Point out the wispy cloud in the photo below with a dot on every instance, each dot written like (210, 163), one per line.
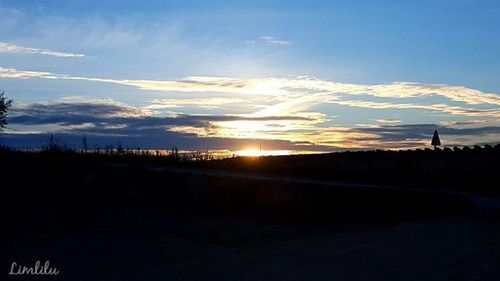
(189, 84)
(469, 123)
(388, 121)
(11, 48)
(300, 93)
(283, 86)
(274, 41)
(445, 108)
(199, 102)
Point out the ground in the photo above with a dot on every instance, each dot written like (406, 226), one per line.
(164, 247)
(108, 218)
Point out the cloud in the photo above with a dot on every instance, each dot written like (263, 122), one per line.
(292, 105)
(14, 49)
(388, 121)
(109, 113)
(78, 110)
(108, 122)
(199, 102)
(454, 110)
(292, 97)
(287, 87)
(469, 123)
(23, 74)
(449, 135)
(160, 44)
(79, 107)
(189, 84)
(274, 41)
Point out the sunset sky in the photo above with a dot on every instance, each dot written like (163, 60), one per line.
(232, 75)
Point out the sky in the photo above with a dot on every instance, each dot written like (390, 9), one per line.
(293, 76)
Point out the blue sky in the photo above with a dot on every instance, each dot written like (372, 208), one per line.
(296, 75)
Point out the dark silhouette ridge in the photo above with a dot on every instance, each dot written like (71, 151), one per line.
(471, 169)
(117, 211)
(466, 169)
(69, 179)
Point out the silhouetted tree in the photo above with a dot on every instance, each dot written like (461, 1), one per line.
(175, 153)
(435, 140)
(85, 146)
(5, 104)
(54, 144)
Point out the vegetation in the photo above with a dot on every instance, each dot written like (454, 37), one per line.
(470, 169)
(89, 184)
(5, 105)
(73, 206)
(466, 169)
(94, 180)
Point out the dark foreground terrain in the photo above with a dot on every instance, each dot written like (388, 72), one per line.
(115, 217)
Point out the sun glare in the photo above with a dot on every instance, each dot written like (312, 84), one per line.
(257, 152)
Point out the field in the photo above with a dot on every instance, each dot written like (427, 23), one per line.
(125, 217)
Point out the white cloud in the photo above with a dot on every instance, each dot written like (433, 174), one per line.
(440, 107)
(23, 74)
(469, 123)
(297, 94)
(274, 41)
(199, 102)
(388, 121)
(10, 48)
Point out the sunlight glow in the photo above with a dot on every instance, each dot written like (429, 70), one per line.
(257, 152)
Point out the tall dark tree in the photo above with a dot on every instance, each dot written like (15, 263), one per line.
(85, 146)
(435, 140)
(5, 104)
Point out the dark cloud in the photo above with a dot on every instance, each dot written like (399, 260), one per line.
(74, 108)
(156, 139)
(111, 124)
(425, 131)
(80, 113)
